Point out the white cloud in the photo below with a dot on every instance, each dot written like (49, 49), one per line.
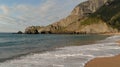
(49, 4)
(5, 9)
(23, 15)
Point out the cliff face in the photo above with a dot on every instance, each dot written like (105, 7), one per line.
(95, 27)
(88, 7)
(80, 11)
(32, 30)
(110, 13)
(72, 23)
(95, 4)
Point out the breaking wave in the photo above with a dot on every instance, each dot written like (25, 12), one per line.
(74, 56)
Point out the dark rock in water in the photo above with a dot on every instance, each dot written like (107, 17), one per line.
(45, 32)
(19, 32)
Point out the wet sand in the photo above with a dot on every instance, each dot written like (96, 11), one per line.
(105, 62)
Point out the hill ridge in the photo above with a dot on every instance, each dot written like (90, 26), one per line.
(83, 19)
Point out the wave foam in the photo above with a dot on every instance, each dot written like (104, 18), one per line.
(75, 56)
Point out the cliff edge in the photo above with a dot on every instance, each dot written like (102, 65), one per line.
(80, 20)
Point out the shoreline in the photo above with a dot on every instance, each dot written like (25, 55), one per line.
(72, 55)
(105, 61)
(110, 33)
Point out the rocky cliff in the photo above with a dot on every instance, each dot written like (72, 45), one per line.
(77, 20)
(32, 30)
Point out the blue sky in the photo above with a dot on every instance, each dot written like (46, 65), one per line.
(16, 15)
(13, 2)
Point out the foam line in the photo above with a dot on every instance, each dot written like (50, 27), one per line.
(74, 56)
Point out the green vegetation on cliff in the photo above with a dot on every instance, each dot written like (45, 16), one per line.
(109, 13)
(92, 16)
(90, 20)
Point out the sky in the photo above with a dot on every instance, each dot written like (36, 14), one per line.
(16, 15)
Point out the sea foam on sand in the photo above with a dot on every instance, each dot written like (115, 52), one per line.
(74, 56)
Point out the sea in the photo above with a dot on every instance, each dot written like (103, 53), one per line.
(55, 50)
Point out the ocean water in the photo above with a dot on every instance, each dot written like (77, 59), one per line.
(21, 50)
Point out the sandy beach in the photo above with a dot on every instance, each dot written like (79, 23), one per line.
(105, 62)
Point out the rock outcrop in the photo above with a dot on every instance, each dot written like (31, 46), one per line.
(19, 32)
(32, 30)
(73, 23)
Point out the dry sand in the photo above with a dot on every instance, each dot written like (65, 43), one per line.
(105, 62)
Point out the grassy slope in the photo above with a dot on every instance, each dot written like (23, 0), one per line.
(108, 13)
